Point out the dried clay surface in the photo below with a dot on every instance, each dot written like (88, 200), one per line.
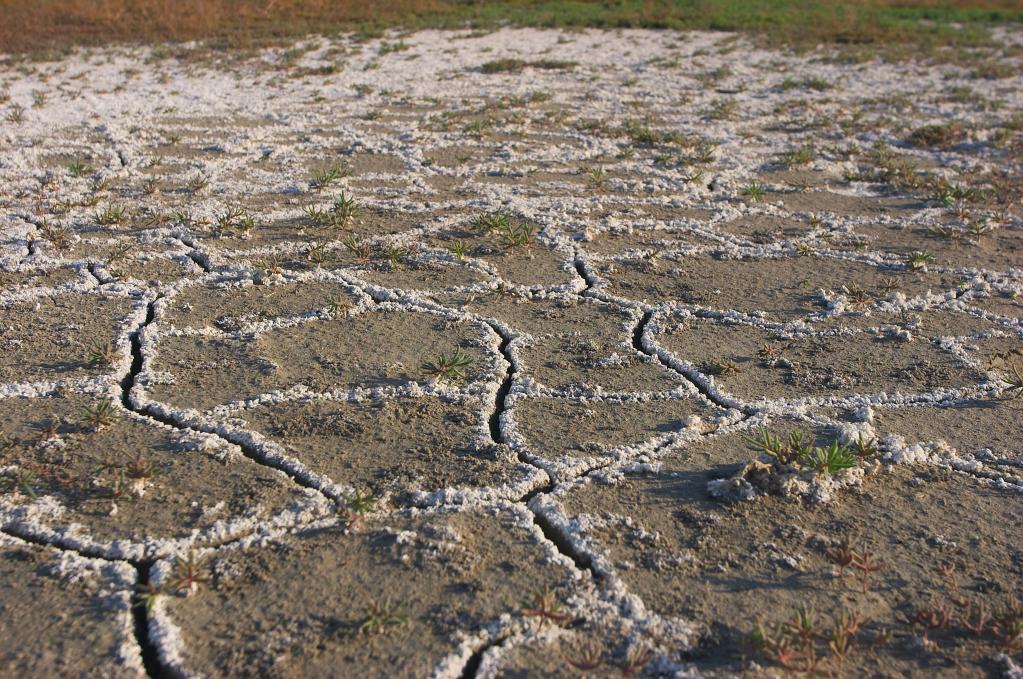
(510, 354)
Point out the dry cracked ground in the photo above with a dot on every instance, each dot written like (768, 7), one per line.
(524, 353)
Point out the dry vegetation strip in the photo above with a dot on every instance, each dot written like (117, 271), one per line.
(43, 25)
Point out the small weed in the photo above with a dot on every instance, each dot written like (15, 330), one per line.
(831, 459)
(339, 305)
(102, 354)
(754, 191)
(799, 157)
(145, 596)
(325, 178)
(545, 606)
(724, 368)
(381, 615)
(459, 249)
(1012, 383)
(111, 215)
(492, 221)
(941, 136)
(516, 235)
(359, 249)
(597, 178)
(917, 261)
(100, 414)
(866, 563)
(344, 210)
(450, 366)
(16, 113)
(78, 168)
(197, 183)
(188, 574)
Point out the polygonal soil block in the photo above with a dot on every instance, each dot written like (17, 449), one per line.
(51, 337)
(373, 349)
(63, 615)
(835, 366)
(132, 486)
(404, 447)
(724, 567)
(395, 597)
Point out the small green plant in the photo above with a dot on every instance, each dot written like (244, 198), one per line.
(344, 210)
(100, 414)
(449, 366)
(188, 574)
(112, 214)
(799, 157)
(150, 185)
(459, 249)
(145, 596)
(1012, 383)
(754, 191)
(16, 113)
(492, 221)
(381, 615)
(325, 178)
(359, 249)
(339, 305)
(516, 235)
(197, 183)
(941, 136)
(102, 354)
(831, 459)
(395, 254)
(78, 168)
(724, 368)
(597, 178)
(793, 450)
(918, 260)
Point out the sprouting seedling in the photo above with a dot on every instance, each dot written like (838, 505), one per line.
(805, 250)
(798, 157)
(139, 467)
(516, 235)
(360, 250)
(272, 264)
(545, 606)
(918, 260)
(792, 450)
(383, 614)
(459, 249)
(864, 447)
(724, 368)
(1013, 382)
(112, 214)
(78, 168)
(754, 191)
(449, 366)
(16, 113)
(150, 185)
(189, 573)
(325, 178)
(831, 459)
(394, 254)
(360, 504)
(588, 657)
(866, 563)
(842, 555)
(145, 596)
(490, 222)
(318, 254)
(197, 183)
(339, 305)
(100, 414)
(859, 298)
(597, 177)
(634, 661)
(102, 354)
(344, 210)
(25, 480)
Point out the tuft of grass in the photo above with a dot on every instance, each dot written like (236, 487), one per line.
(100, 414)
(383, 614)
(79, 168)
(112, 214)
(489, 222)
(940, 136)
(102, 354)
(328, 176)
(831, 459)
(754, 191)
(449, 366)
(516, 65)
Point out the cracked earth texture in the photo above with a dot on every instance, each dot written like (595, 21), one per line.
(495, 420)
